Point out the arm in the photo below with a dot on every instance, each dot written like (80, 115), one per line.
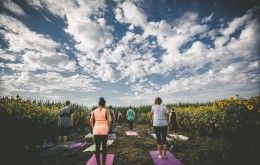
(92, 120)
(170, 117)
(72, 119)
(109, 120)
(59, 122)
(177, 121)
(167, 117)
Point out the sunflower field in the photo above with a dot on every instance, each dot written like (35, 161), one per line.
(35, 120)
(38, 119)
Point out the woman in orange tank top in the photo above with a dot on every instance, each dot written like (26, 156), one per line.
(100, 123)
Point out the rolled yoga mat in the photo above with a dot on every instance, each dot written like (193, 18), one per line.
(93, 147)
(171, 160)
(131, 133)
(109, 159)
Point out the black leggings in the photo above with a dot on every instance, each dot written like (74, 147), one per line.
(101, 139)
(161, 133)
(130, 124)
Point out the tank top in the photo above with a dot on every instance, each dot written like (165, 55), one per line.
(130, 114)
(100, 126)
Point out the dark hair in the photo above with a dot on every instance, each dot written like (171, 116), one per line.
(130, 106)
(102, 102)
(67, 102)
(158, 100)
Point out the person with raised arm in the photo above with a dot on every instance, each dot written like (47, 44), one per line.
(65, 122)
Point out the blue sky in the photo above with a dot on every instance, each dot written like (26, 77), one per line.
(129, 51)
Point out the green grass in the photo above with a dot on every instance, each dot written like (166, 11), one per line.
(135, 150)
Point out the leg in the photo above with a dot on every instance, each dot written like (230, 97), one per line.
(65, 138)
(159, 140)
(132, 125)
(104, 147)
(164, 133)
(129, 124)
(59, 140)
(97, 152)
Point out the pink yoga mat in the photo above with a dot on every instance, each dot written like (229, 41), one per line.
(131, 133)
(109, 159)
(171, 160)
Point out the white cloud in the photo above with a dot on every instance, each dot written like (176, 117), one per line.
(208, 18)
(90, 34)
(13, 7)
(34, 51)
(134, 58)
(45, 83)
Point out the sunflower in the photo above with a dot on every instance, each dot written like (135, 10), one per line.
(250, 107)
(232, 98)
(245, 102)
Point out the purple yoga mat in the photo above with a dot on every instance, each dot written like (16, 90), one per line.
(171, 160)
(109, 159)
(131, 133)
(77, 145)
(112, 136)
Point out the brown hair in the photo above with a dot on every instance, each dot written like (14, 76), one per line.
(102, 102)
(158, 100)
(67, 102)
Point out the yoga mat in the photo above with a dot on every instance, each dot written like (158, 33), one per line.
(49, 152)
(177, 136)
(93, 146)
(154, 136)
(54, 150)
(89, 135)
(131, 133)
(109, 159)
(112, 136)
(171, 160)
(77, 145)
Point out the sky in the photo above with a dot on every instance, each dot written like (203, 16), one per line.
(129, 52)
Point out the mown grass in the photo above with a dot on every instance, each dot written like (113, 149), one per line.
(135, 150)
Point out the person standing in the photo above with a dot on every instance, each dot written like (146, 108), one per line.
(100, 121)
(119, 118)
(160, 124)
(130, 115)
(65, 122)
(112, 114)
(174, 121)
